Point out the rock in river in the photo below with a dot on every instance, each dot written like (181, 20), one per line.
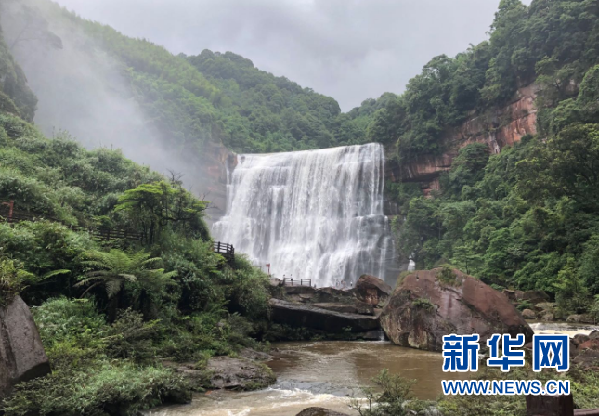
(22, 355)
(308, 316)
(226, 373)
(431, 303)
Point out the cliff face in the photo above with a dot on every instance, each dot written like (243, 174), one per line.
(217, 161)
(496, 128)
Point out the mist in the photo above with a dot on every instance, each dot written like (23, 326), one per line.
(83, 93)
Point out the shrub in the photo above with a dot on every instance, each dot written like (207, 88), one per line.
(388, 399)
(72, 331)
(12, 280)
(424, 303)
(109, 388)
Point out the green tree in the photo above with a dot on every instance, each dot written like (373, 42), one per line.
(112, 270)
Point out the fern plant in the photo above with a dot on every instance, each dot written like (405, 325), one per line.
(111, 270)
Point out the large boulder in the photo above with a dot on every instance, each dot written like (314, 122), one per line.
(22, 355)
(312, 317)
(372, 290)
(432, 303)
(239, 374)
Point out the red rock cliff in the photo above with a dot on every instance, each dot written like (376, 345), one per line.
(496, 128)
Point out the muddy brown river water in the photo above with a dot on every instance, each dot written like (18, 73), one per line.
(329, 374)
(322, 374)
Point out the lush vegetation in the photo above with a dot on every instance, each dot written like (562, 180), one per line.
(112, 312)
(526, 218)
(553, 42)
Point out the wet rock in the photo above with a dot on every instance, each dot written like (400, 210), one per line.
(319, 411)
(309, 316)
(529, 314)
(238, 374)
(372, 291)
(355, 308)
(547, 317)
(586, 358)
(22, 354)
(590, 344)
(331, 295)
(227, 373)
(307, 294)
(585, 319)
(580, 339)
(432, 303)
(594, 335)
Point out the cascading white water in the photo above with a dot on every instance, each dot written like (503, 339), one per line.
(315, 214)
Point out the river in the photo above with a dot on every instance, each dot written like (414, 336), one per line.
(328, 374)
(321, 374)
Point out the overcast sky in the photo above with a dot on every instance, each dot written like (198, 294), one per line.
(347, 49)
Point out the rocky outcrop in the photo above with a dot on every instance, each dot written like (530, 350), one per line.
(431, 303)
(319, 411)
(239, 374)
(216, 161)
(372, 290)
(246, 372)
(529, 314)
(22, 354)
(315, 318)
(585, 319)
(307, 294)
(355, 308)
(496, 128)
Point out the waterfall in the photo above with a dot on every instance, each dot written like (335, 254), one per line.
(315, 214)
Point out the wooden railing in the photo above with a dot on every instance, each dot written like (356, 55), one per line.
(226, 250)
(297, 282)
(13, 216)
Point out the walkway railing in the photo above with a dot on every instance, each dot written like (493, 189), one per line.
(297, 282)
(101, 233)
(226, 250)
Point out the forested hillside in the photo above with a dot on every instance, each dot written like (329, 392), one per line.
(211, 97)
(551, 42)
(110, 310)
(526, 218)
